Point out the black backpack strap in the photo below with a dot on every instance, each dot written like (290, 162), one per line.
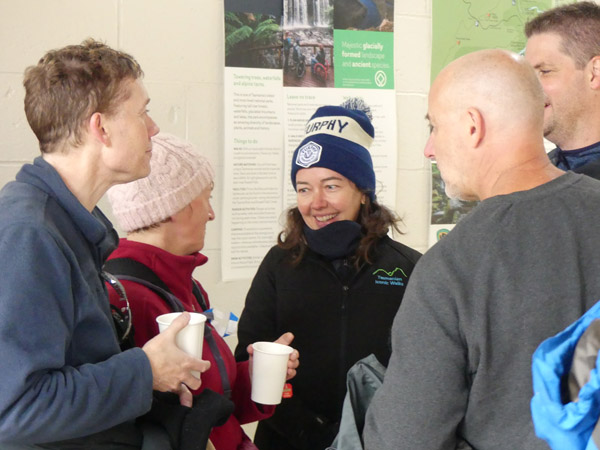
(198, 294)
(131, 267)
(132, 270)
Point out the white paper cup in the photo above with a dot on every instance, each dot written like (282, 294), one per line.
(269, 368)
(190, 338)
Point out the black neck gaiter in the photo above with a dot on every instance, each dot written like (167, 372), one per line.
(336, 240)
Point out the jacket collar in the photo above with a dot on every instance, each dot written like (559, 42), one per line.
(95, 226)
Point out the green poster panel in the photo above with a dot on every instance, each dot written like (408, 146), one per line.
(363, 59)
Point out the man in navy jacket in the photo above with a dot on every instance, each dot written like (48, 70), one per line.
(563, 47)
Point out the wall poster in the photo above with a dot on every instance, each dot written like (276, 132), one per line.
(284, 59)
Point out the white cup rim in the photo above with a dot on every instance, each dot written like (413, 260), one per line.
(272, 348)
(166, 319)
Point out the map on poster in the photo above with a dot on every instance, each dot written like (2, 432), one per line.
(461, 27)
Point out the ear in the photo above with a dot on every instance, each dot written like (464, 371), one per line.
(98, 129)
(595, 72)
(476, 127)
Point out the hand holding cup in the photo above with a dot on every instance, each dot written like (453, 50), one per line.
(171, 366)
(271, 364)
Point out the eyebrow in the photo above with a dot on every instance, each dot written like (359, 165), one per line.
(145, 105)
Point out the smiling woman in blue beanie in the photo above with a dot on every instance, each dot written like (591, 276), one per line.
(335, 279)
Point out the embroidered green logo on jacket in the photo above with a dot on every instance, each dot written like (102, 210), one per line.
(396, 277)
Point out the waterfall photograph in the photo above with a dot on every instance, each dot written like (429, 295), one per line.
(308, 43)
(307, 13)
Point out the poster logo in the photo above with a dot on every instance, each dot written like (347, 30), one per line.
(308, 154)
(442, 233)
(380, 78)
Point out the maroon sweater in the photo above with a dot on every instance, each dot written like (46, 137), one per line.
(176, 272)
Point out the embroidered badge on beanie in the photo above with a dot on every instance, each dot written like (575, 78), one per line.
(309, 154)
(338, 138)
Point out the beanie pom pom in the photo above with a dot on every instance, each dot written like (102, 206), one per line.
(358, 104)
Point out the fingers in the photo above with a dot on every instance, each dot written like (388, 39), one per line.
(191, 379)
(182, 369)
(185, 396)
(178, 324)
(294, 360)
(170, 365)
(293, 363)
(285, 339)
(250, 351)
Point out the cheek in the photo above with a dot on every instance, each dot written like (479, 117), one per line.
(348, 206)
(355, 210)
(303, 204)
(548, 92)
(553, 87)
(304, 209)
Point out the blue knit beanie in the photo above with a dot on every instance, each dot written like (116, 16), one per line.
(338, 138)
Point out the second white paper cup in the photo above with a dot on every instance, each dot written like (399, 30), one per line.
(189, 339)
(269, 368)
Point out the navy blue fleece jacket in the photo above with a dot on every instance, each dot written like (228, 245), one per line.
(62, 374)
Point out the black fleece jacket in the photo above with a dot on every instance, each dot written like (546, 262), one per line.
(337, 318)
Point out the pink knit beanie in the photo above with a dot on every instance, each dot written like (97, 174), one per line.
(177, 176)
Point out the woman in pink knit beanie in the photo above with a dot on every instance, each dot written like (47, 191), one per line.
(165, 217)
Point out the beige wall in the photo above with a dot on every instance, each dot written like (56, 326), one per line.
(179, 44)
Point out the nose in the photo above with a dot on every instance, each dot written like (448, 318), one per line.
(211, 213)
(153, 128)
(318, 199)
(429, 151)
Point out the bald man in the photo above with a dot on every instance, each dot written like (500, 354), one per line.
(563, 46)
(519, 268)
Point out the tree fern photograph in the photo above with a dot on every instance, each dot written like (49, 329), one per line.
(252, 40)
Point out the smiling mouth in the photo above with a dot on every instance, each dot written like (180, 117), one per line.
(325, 218)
